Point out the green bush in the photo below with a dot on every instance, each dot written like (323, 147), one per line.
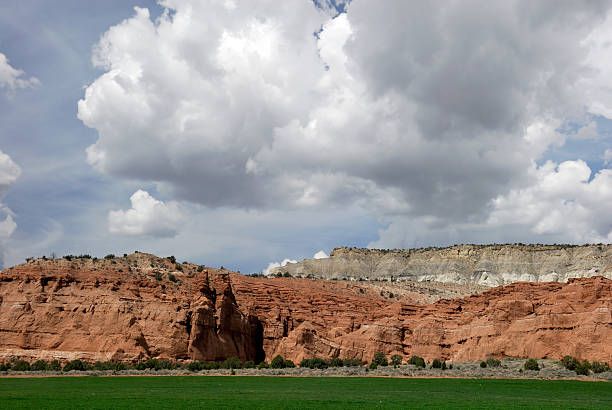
(583, 368)
(75, 365)
(373, 366)
(195, 366)
(39, 365)
(600, 367)
(570, 362)
(380, 359)
(249, 364)
(172, 278)
(417, 361)
(109, 256)
(438, 364)
(5, 367)
(493, 362)
(314, 363)
(21, 366)
(483, 364)
(278, 362)
(232, 363)
(531, 364)
(158, 276)
(172, 259)
(212, 366)
(396, 360)
(55, 366)
(351, 362)
(336, 362)
(263, 365)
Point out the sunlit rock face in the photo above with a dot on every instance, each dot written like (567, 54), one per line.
(140, 306)
(489, 265)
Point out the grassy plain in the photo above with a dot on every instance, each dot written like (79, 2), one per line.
(298, 392)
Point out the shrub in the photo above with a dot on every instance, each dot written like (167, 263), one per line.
(178, 267)
(483, 364)
(278, 362)
(172, 278)
(373, 366)
(158, 276)
(289, 364)
(263, 365)
(437, 364)
(74, 365)
(583, 368)
(249, 364)
(172, 259)
(336, 362)
(109, 256)
(287, 275)
(39, 365)
(417, 361)
(55, 366)
(600, 367)
(315, 363)
(200, 268)
(232, 363)
(351, 362)
(212, 366)
(396, 360)
(5, 367)
(21, 366)
(531, 364)
(380, 359)
(493, 362)
(570, 362)
(195, 366)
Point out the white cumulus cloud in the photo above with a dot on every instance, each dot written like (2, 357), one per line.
(147, 216)
(9, 173)
(11, 78)
(412, 111)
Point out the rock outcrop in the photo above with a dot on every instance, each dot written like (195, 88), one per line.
(490, 265)
(141, 306)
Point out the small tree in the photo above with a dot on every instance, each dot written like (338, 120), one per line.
(380, 359)
(483, 364)
(39, 365)
(336, 362)
(74, 365)
(21, 366)
(570, 362)
(396, 360)
(55, 366)
(437, 364)
(417, 361)
(278, 362)
(232, 363)
(583, 368)
(532, 364)
(600, 367)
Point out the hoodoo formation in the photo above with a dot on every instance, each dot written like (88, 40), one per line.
(141, 306)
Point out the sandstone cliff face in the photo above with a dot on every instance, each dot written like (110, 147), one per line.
(490, 265)
(141, 306)
(100, 311)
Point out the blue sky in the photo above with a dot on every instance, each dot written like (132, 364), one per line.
(226, 133)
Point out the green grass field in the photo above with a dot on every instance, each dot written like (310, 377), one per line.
(298, 392)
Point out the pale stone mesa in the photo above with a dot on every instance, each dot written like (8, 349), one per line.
(488, 265)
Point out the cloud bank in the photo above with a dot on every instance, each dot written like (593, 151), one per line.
(434, 117)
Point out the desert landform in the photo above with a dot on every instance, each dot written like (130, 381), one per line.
(433, 303)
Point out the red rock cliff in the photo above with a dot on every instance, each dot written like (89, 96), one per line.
(141, 306)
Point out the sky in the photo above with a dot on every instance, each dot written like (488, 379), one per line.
(247, 134)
